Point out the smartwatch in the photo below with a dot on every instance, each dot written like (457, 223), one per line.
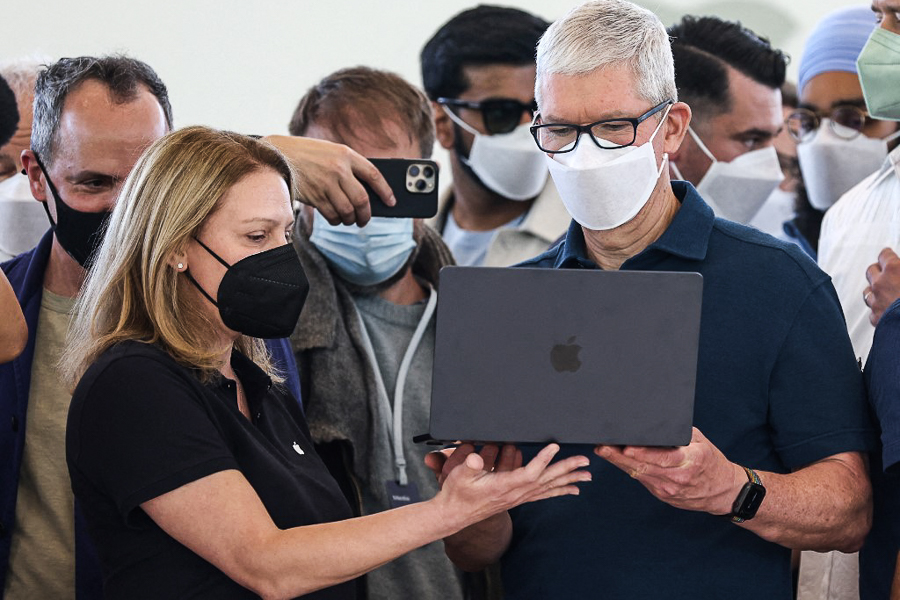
(748, 500)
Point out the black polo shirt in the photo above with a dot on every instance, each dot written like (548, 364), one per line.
(141, 425)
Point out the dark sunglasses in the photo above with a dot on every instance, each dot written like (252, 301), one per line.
(501, 115)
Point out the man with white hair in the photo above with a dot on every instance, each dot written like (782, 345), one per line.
(22, 220)
(780, 422)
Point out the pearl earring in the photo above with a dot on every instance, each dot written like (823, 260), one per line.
(180, 266)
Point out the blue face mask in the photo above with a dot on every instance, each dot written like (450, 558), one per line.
(364, 255)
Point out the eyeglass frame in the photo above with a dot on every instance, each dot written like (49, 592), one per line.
(479, 106)
(635, 122)
(831, 121)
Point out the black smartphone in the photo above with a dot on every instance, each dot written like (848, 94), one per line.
(414, 182)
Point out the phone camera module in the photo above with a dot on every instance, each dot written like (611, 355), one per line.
(421, 178)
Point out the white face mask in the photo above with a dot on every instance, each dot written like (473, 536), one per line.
(603, 189)
(509, 164)
(774, 212)
(831, 165)
(736, 190)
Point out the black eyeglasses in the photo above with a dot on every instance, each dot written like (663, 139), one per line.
(501, 115)
(556, 138)
(846, 121)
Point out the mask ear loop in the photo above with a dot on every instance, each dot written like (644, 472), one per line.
(701, 145)
(214, 255)
(892, 137)
(458, 120)
(194, 281)
(52, 187)
(202, 291)
(665, 156)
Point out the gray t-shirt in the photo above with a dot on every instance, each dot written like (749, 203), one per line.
(42, 552)
(426, 572)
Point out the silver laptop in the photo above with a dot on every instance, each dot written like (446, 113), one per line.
(565, 355)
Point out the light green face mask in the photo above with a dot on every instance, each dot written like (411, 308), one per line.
(879, 74)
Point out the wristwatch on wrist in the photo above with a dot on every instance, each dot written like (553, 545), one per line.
(748, 500)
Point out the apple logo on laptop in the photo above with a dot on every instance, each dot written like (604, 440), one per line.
(564, 357)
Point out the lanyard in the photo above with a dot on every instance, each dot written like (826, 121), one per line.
(396, 431)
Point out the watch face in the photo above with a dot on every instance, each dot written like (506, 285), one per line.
(748, 501)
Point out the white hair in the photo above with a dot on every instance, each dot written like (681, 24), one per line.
(21, 73)
(605, 33)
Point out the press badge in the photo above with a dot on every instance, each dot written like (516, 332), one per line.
(401, 495)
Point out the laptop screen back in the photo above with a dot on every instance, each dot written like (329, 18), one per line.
(572, 356)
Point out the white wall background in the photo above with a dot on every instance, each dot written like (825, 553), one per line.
(243, 64)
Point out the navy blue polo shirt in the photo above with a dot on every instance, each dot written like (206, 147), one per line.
(878, 557)
(778, 388)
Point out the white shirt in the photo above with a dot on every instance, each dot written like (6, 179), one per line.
(22, 218)
(864, 221)
(470, 248)
(545, 222)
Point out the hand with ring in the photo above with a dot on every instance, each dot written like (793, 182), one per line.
(884, 284)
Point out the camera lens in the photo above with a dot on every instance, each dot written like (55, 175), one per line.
(414, 171)
(421, 185)
(428, 172)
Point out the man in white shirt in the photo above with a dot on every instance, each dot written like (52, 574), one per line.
(865, 219)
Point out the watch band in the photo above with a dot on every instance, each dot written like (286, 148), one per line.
(752, 476)
(749, 499)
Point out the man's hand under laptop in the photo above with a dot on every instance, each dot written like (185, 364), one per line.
(693, 477)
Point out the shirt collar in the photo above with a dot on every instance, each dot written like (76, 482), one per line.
(687, 235)
(253, 379)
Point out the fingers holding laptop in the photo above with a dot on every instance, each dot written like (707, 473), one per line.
(693, 477)
(494, 458)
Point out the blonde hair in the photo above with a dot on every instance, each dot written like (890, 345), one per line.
(132, 292)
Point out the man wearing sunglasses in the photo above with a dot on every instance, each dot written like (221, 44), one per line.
(779, 417)
(478, 70)
(731, 78)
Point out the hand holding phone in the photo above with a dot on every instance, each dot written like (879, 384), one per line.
(415, 186)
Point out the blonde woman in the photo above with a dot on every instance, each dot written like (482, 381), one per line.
(193, 469)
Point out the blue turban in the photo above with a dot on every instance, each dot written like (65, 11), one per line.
(836, 42)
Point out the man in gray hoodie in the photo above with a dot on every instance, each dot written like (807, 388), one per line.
(365, 340)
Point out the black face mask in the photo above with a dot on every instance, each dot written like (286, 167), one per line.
(261, 295)
(79, 233)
